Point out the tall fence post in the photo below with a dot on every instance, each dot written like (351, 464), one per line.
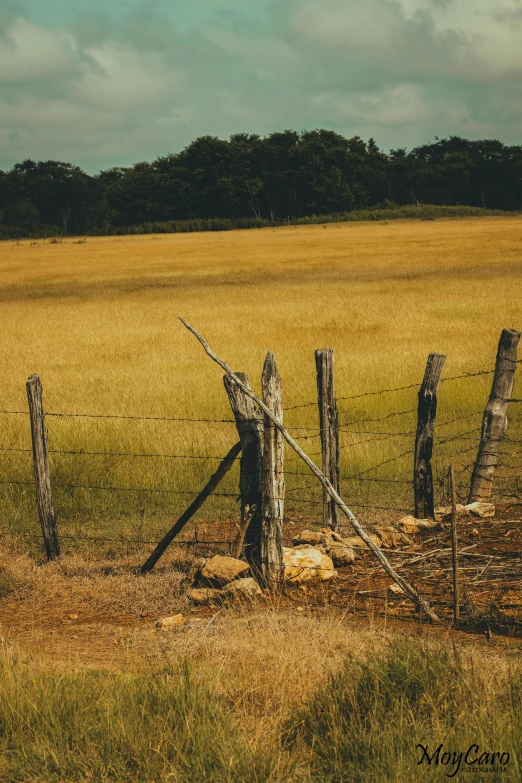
(249, 422)
(42, 476)
(494, 421)
(427, 411)
(329, 423)
(273, 478)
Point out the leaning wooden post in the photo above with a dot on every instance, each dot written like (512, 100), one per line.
(494, 422)
(273, 478)
(427, 411)
(249, 422)
(42, 476)
(410, 591)
(208, 489)
(454, 553)
(329, 423)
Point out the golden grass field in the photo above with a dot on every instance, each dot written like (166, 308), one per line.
(98, 320)
(299, 686)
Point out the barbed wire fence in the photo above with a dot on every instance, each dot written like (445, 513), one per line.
(376, 468)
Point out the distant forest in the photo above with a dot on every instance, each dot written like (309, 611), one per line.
(253, 180)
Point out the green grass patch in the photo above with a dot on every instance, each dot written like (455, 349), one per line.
(102, 726)
(367, 723)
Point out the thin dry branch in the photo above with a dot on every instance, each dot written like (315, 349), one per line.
(405, 587)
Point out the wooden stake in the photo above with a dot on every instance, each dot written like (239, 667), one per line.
(454, 552)
(42, 475)
(249, 422)
(406, 588)
(494, 422)
(273, 478)
(427, 410)
(207, 490)
(329, 423)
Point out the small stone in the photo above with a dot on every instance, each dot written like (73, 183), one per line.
(443, 513)
(221, 570)
(475, 531)
(73, 617)
(410, 525)
(357, 542)
(331, 538)
(175, 621)
(300, 608)
(483, 510)
(307, 565)
(317, 547)
(341, 555)
(309, 537)
(390, 539)
(395, 589)
(242, 588)
(203, 595)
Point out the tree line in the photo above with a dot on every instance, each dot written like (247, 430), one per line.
(248, 179)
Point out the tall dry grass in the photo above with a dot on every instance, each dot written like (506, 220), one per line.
(98, 322)
(266, 697)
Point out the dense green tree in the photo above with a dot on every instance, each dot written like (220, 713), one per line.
(285, 174)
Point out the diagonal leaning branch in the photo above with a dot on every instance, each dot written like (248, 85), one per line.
(405, 587)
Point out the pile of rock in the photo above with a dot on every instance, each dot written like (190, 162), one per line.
(343, 551)
(477, 510)
(220, 578)
(411, 526)
(314, 556)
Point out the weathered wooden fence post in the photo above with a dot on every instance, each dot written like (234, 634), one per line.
(329, 423)
(249, 422)
(42, 476)
(427, 411)
(494, 422)
(273, 478)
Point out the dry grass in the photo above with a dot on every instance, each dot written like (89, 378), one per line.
(98, 322)
(277, 691)
(350, 704)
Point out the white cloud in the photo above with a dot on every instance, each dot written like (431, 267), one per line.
(395, 106)
(478, 39)
(104, 93)
(121, 78)
(33, 52)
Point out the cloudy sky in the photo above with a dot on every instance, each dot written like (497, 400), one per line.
(112, 82)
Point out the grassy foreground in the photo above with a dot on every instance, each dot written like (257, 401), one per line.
(363, 724)
(98, 322)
